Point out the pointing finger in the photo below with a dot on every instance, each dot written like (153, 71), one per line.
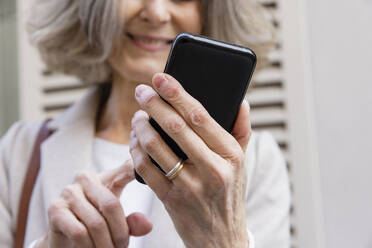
(117, 179)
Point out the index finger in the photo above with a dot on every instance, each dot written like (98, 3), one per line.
(108, 205)
(198, 118)
(116, 179)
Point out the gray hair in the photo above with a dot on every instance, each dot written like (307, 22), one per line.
(78, 37)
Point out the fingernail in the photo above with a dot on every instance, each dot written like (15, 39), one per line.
(159, 81)
(139, 90)
(143, 92)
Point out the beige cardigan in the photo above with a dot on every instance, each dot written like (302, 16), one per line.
(69, 150)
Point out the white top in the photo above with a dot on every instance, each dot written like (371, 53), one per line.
(136, 197)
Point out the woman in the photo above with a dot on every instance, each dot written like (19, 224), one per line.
(228, 194)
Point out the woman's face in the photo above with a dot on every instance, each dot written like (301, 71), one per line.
(150, 27)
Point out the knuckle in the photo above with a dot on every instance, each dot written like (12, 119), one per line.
(54, 209)
(198, 116)
(234, 160)
(69, 191)
(150, 144)
(78, 233)
(171, 93)
(83, 176)
(110, 205)
(96, 224)
(149, 101)
(234, 154)
(174, 125)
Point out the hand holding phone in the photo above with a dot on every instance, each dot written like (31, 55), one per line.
(215, 73)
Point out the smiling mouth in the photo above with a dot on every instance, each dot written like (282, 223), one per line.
(150, 43)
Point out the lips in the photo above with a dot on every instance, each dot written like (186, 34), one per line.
(150, 43)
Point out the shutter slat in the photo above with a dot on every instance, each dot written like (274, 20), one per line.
(65, 88)
(265, 95)
(271, 74)
(63, 97)
(57, 79)
(267, 115)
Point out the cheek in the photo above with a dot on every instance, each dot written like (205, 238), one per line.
(130, 8)
(189, 19)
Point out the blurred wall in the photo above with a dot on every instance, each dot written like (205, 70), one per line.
(340, 33)
(8, 65)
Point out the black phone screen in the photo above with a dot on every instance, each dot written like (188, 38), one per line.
(216, 74)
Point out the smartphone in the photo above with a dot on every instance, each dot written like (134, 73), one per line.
(215, 73)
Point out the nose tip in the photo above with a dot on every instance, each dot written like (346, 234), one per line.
(156, 12)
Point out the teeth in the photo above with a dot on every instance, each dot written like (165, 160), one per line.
(151, 41)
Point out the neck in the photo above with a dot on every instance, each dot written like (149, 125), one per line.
(114, 124)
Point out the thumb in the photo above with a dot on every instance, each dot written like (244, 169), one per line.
(242, 127)
(138, 224)
(117, 179)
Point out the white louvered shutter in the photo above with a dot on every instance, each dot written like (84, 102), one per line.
(267, 98)
(52, 93)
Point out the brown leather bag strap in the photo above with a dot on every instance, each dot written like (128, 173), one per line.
(28, 185)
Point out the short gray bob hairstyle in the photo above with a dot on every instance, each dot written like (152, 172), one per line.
(76, 37)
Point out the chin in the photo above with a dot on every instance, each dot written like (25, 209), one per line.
(140, 76)
(139, 70)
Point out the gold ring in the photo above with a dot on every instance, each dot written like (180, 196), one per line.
(174, 172)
